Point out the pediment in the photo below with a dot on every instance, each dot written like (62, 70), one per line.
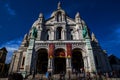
(70, 21)
(50, 21)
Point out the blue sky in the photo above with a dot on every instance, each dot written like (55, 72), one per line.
(101, 16)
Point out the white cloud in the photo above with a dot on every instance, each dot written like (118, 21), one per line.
(11, 46)
(10, 10)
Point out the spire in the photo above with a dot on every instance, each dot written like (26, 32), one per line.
(77, 15)
(94, 38)
(25, 36)
(59, 5)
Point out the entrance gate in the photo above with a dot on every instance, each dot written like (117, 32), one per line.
(77, 60)
(59, 61)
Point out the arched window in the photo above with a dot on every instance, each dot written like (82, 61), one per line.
(48, 34)
(58, 33)
(59, 17)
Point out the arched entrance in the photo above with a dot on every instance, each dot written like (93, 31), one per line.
(77, 59)
(59, 61)
(42, 61)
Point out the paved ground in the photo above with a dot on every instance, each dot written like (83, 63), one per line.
(74, 79)
(3, 78)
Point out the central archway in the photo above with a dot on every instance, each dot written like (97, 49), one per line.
(42, 61)
(59, 61)
(77, 59)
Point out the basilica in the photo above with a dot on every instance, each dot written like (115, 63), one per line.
(59, 44)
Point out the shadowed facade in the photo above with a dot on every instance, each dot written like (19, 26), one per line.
(59, 44)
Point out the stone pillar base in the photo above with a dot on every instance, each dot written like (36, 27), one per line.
(50, 70)
(24, 74)
(68, 70)
(68, 73)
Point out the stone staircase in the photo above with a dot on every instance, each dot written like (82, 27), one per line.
(54, 77)
(66, 77)
(37, 77)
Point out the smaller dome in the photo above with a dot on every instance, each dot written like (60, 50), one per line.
(40, 15)
(53, 14)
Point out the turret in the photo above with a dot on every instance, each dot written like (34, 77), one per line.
(77, 17)
(25, 41)
(94, 38)
(41, 18)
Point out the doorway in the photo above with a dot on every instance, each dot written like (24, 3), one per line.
(59, 61)
(42, 61)
(77, 60)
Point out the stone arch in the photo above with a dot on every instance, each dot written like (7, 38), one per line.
(59, 60)
(42, 60)
(77, 59)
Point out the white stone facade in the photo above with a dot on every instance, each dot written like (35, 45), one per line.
(65, 35)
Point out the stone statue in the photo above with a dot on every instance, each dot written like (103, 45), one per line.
(59, 5)
(94, 38)
(59, 17)
(75, 34)
(34, 32)
(84, 32)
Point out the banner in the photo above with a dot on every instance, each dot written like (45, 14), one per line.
(69, 49)
(51, 50)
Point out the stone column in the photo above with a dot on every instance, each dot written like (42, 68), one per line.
(86, 64)
(52, 35)
(55, 34)
(68, 65)
(50, 65)
(12, 63)
(39, 35)
(63, 34)
(80, 34)
(90, 58)
(28, 58)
